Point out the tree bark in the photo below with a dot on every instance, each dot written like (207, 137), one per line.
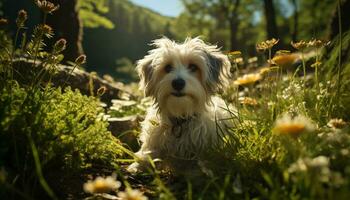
(66, 24)
(345, 23)
(234, 23)
(296, 19)
(270, 16)
(233, 35)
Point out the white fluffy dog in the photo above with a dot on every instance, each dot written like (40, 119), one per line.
(182, 79)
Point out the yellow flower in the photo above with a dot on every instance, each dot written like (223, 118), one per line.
(266, 70)
(235, 53)
(252, 60)
(287, 125)
(131, 194)
(47, 6)
(102, 185)
(299, 45)
(247, 79)
(285, 60)
(268, 44)
(238, 60)
(248, 101)
(336, 123)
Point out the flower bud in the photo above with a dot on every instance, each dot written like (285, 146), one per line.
(21, 18)
(60, 45)
(80, 59)
(101, 91)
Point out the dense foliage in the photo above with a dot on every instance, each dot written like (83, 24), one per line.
(117, 32)
(44, 128)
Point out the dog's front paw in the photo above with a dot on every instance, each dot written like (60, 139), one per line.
(134, 168)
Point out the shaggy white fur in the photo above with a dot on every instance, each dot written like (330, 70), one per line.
(182, 79)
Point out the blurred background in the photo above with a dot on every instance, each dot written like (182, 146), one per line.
(116, 33)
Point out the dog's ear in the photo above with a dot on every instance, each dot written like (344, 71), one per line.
(219, 66)
(145, 71)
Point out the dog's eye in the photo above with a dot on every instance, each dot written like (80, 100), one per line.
(192, 67)
(168, 68)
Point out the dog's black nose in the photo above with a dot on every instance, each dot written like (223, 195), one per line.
(178, 84)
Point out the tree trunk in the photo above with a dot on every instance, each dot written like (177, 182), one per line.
(233, 35)
(234, 23)
(345, 23)
(295, 25)
(270, 16)
(66, 24)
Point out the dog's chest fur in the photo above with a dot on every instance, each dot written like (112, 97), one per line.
(180, 138)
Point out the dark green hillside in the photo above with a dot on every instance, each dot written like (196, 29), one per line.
(135, 27)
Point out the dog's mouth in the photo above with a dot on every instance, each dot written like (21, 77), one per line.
(178, 94)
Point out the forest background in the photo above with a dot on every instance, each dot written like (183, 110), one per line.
(116, 33)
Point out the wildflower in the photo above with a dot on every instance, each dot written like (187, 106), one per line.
(268, 44)
(60, 45)
(317, 43)
(301, 45)
(235, 57)
(344, 152)
(235, 53)
(247, 79)
(316, 64)
(284, 60)
(248, 101)
(131, 194)
(266, 70)
(102, 185)
(303, 164)
(80, 59)
(101, 91)
(238, 60)
(293, 126)
(46, 6)
(253, 60)
(21, 18)
(336, 123)
(318, 162)
(298, 166)
(44, 29)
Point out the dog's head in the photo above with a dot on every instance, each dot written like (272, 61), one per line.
(182, 77)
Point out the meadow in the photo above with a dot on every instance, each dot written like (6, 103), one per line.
(290, 138)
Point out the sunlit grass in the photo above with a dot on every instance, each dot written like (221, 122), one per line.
(290, 137)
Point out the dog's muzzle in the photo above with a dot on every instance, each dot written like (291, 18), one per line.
(178, 84)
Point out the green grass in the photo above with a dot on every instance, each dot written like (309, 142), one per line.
(256, 161)
(46, 130)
